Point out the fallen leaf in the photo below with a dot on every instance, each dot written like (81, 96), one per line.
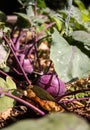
(45, 102)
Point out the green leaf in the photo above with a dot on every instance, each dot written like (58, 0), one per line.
(25, 3)
(58, 121)
(80, 4)
(42, 93)
(3, 83)
(11, 84)
(69, 61)
(23, 20)
(29, 11)
(85, 12)
(58, 22)
(41, 3)
(81, 36)
(38, 20)
(20, 1)
(4, 53)
(78, 19)
(6, 102)
(2, 17)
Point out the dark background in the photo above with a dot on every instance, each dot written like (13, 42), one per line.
(10, 6)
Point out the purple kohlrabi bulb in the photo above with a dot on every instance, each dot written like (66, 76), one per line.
(28, 67)
(52, 84)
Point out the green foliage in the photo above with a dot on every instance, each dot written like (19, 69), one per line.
(68, 60)
(23, 20)
(25, 3)
(57, 18)
(41, 3)
(82, 36)
(78, 20)
(4, 53)
(42, 93)
(81, 95)
(85, 13)
(58, 121)
(29, 11)
(2, 17)
(8, 85)
(80, 4)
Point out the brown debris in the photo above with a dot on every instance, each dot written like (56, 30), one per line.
(11, 114)
(50, 106)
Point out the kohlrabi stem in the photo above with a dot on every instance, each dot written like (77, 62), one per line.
(73, 93)
(10, 42)
(36, 53)
(3, 73)
(17, 42)
(8, 94)
(44, 30)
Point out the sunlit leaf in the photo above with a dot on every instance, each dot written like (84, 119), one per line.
(58, 23)
(29, 11)
(4, 53)
(41, 3)
(69, 61)
(6, 102)
(81, 36)
(78, 19)
(11, 84)
(80, 4)
(3, 83)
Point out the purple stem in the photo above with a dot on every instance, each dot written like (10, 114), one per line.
(48, 26)
(17, 43)
(10, 45)
(37, 57)
(16, 71)
(5, 74)
(23, 102)
(73, 93)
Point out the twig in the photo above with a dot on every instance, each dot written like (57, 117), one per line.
(10, 45)
(42, 32)
(73, 93)
(8, 94)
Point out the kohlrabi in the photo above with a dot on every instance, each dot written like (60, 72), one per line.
(51, 83)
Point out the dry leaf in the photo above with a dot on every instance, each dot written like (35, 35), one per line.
(45, 104)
